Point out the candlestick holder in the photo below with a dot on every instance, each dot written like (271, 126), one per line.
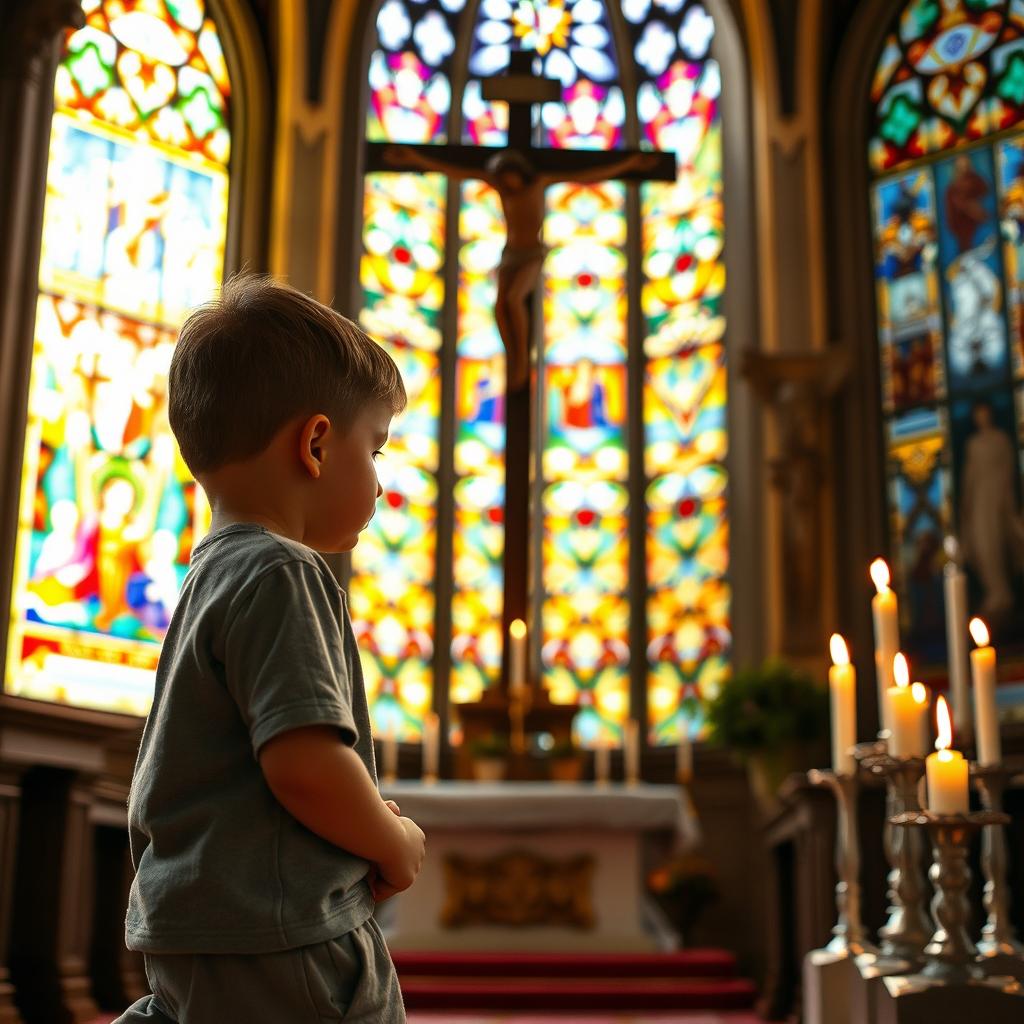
(848, 935)
(907, 928)
(519, 700)
(997, 935)
(950, 955)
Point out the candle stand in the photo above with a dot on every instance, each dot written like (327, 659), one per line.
(951, 986)
(907, 930)
(848, 936)
(998, 944)
(519, 701)
(950, 955)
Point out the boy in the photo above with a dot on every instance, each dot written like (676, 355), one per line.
(259, 839)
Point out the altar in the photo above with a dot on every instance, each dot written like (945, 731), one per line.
(538, 866)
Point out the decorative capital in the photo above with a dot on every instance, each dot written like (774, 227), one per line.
(30, 29)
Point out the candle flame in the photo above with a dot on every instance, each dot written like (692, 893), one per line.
(980, 632)
(945, 740)
(840, 652)
(920, 693)
(901, 670)
(517, 629)
(880, 575)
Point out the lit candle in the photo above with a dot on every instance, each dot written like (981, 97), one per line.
(923, 697)
(947, 770)
(986, 717)
(431, 746)
(631, 751)
(389, 755)
(955, 587)
(517, 655)
(904, 712)
(842, 686)
(684, 754)
(885, 612)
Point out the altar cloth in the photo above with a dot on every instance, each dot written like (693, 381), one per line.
(522, 806)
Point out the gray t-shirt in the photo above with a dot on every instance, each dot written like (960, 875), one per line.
(261, 642)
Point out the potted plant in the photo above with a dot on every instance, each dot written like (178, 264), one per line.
(772, 718)
(490, 757)
(566, 761)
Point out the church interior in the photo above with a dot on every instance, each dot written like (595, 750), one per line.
(692, 614)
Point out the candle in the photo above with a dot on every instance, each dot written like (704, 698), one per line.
(904, 712)
(517, 656)
(389, 755)
(946, 770)
(986, 717)
(684, 754)
(631, 751)
(885, 612)
(955, 587)
(602, 763)
(431, 746)
(923, 696)
(842, 687)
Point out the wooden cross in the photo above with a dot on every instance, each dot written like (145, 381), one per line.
(520, 89)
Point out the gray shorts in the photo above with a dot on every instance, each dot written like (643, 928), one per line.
(350, 978)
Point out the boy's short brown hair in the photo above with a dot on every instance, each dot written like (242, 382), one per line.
(261, 354)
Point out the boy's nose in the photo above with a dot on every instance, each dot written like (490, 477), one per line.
(380, 490)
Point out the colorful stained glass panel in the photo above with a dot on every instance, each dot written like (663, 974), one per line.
(394, 565)
(479, 541)
(133, 236)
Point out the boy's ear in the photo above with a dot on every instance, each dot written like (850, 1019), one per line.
(311, 443)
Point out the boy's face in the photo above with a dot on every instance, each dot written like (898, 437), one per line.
(348, 488)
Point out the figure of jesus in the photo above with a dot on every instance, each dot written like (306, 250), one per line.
(521, 190)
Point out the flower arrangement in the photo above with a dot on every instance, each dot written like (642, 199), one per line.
(683, 888)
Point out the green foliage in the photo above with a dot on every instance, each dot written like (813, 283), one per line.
(766, 710)
(491, 744)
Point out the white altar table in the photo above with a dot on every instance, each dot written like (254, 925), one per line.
(537, 866)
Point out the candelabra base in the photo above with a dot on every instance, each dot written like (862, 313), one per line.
(918, 999)
(829, 979)
(1001, 964)
(868, 990)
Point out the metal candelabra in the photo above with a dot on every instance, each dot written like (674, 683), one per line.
(907, 929)
(848, 935)
(950, 955)
(997, 935)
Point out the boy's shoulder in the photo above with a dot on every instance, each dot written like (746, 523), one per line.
(246, 552)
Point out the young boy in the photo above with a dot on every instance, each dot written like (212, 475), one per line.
(258, 836)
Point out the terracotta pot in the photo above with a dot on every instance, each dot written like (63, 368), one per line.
(567, 769)
(767, 771)
(489, 769)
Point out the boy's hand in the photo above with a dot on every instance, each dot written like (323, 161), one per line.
(399, 871)
(383, 890)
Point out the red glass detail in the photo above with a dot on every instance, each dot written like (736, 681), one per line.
(585, 517)
(393, 498)
(401, 254)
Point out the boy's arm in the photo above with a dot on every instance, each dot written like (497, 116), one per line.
(323, 783)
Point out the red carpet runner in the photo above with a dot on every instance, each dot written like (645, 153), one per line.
(539, 984)
(690, 980)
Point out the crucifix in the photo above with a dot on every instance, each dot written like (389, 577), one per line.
(520, 174)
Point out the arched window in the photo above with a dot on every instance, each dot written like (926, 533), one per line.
(631, 596)
(947, 152)
(134, 232)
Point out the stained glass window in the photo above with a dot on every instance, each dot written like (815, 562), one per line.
(133, 236)
(603, 327)
(948, 209)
